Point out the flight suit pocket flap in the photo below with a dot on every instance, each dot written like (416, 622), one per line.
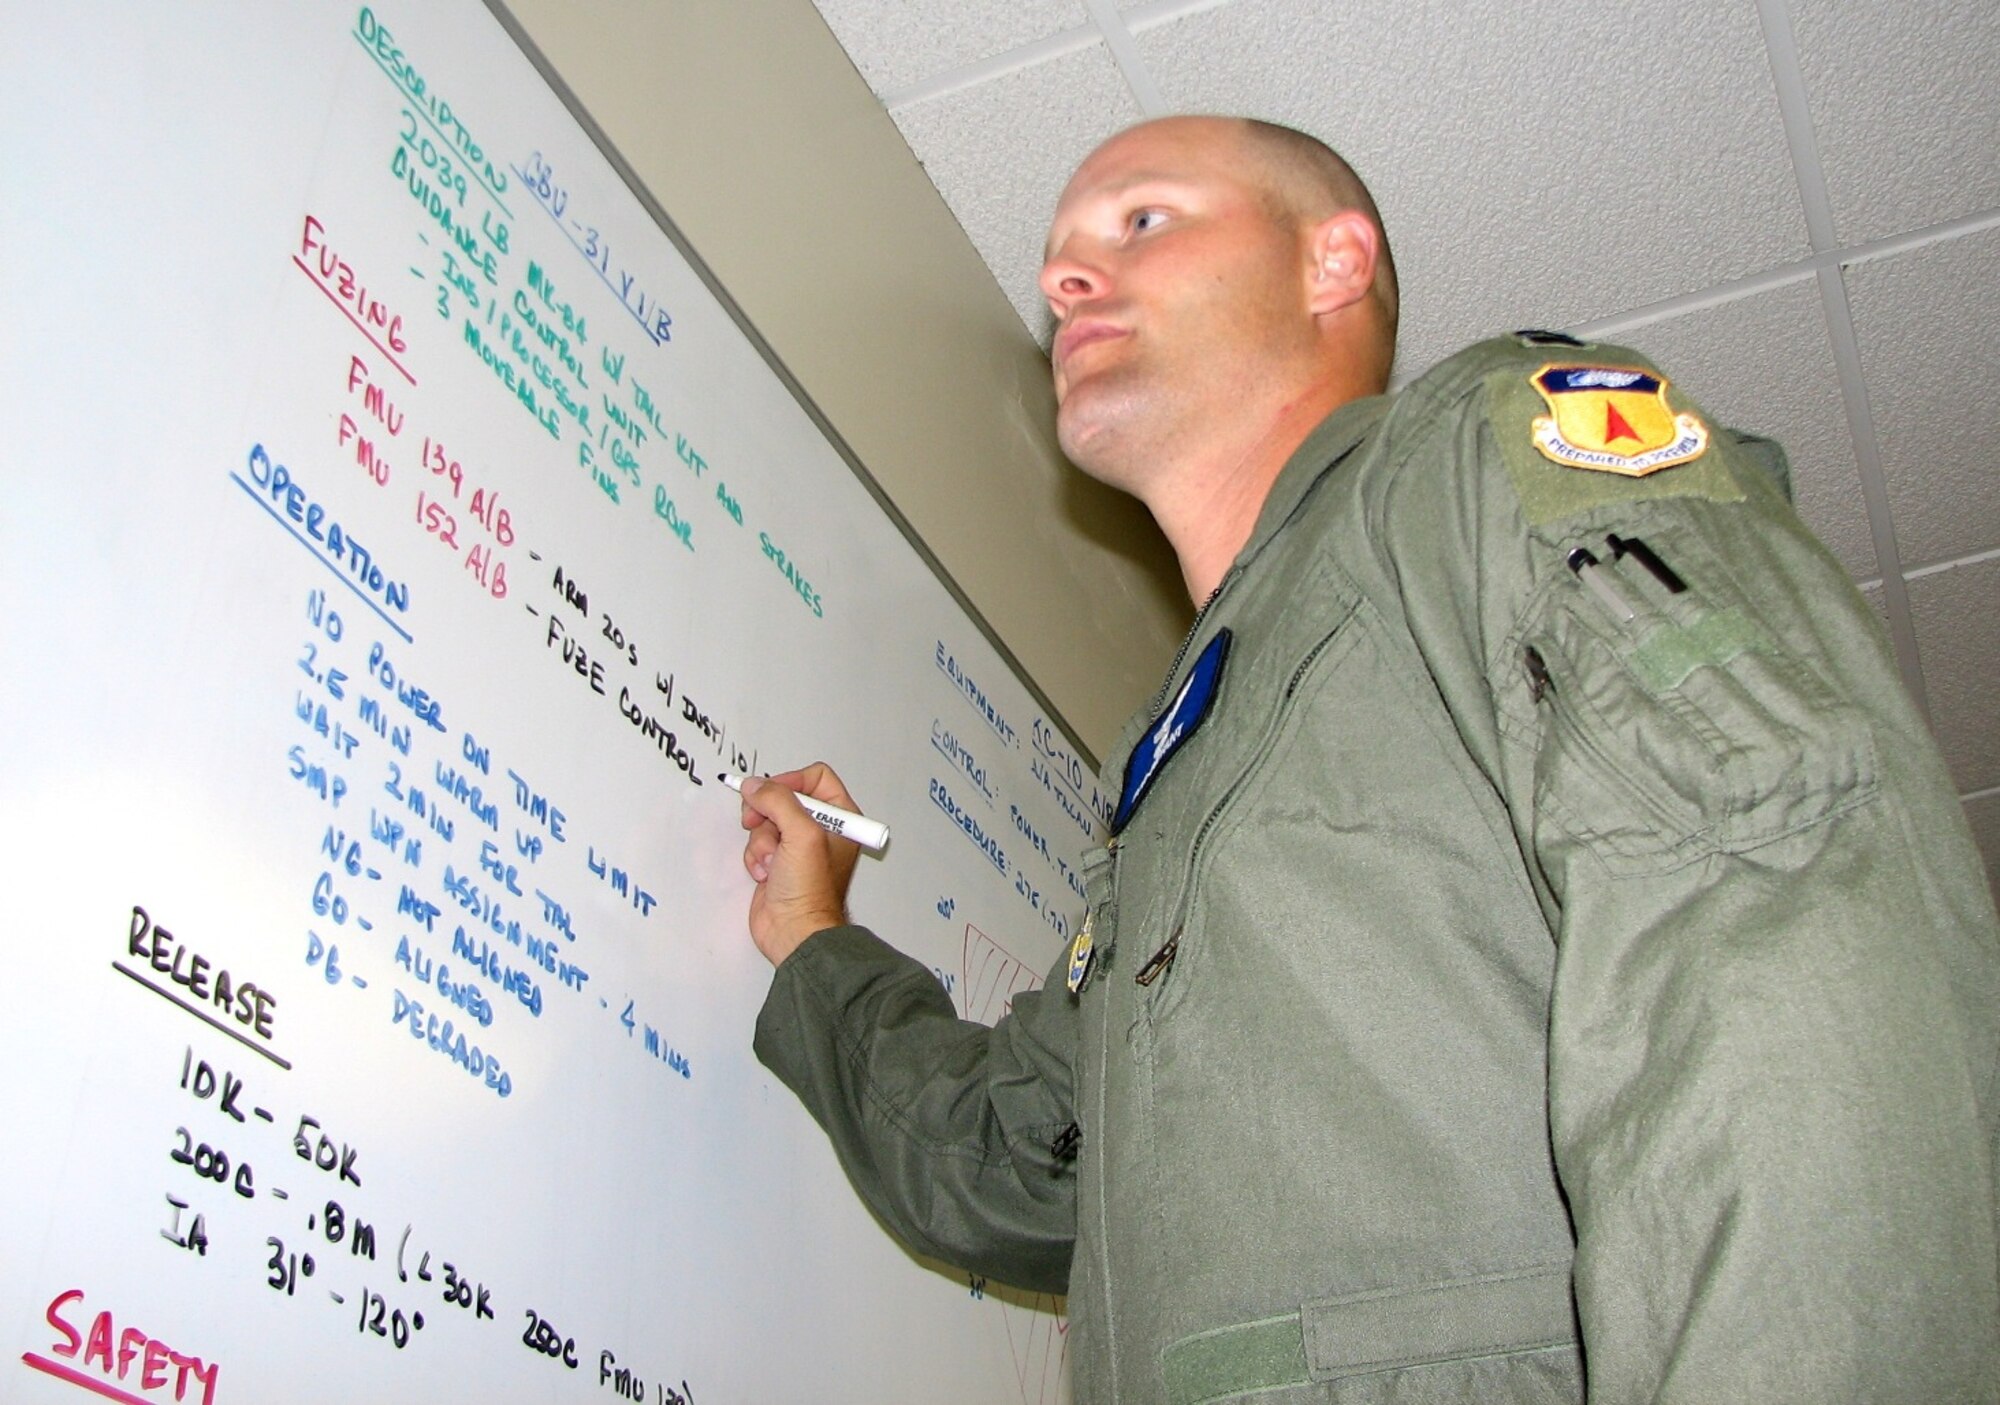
(1705, 724)
(1381, 1331)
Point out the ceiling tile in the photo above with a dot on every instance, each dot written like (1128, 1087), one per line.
(1001, 152)
(1928, 324)
(1984, 816)
(1764, 364)
(1527, 179)
(897, 45)
(1139, 13)
(1904, 109)
(1958, 637)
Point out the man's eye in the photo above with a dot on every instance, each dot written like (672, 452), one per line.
(1143, 220)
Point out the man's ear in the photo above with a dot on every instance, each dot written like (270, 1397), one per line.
(1341, 266)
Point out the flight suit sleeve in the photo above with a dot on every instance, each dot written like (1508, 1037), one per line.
(1772, 1034)
(949, 1129)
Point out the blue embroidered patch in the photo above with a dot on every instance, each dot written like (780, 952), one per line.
(1179, 722)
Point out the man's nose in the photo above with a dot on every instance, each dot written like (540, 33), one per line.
(1068, 279)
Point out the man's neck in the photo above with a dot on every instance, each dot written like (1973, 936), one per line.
(1209, 509)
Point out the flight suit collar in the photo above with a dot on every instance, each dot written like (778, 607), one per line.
(1335, 437)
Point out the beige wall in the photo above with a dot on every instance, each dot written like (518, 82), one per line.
(748, 124)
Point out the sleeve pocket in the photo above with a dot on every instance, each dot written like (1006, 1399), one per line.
(1687, 732)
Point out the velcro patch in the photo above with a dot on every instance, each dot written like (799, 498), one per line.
(1713, 639)
(1182, 718)
(1552, 492)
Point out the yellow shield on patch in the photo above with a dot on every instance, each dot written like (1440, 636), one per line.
(1614, 419)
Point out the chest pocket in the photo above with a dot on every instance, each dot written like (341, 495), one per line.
(1692, 729)
(1290, 638)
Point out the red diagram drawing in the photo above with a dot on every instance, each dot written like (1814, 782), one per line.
(992, 977)
(1039, 1338)
(1037, 1332)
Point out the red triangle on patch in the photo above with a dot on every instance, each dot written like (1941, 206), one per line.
(1615, 426)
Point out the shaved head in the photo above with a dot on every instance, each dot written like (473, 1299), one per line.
(1220, 286)
(1309, 180)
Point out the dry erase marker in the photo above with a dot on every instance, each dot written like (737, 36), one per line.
(869, 834)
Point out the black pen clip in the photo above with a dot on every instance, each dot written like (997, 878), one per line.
(1666, 575)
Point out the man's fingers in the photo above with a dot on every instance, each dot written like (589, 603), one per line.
(818, 780)
(758, 850)
(800, 870)
(774, 798)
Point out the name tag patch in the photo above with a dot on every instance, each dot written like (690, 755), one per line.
(1182, 718)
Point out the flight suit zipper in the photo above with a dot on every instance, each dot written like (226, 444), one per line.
(1161, 961)
(1194, 628)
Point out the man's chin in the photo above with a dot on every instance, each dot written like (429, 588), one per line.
(1077, 429)
(1094, 445)
(1084, 409)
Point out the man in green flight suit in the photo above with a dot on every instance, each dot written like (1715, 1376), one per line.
(1540, 954)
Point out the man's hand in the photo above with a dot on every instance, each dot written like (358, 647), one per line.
(801, 871)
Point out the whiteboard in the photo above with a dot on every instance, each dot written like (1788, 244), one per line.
(397, 536)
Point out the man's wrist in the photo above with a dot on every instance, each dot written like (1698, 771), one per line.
(796, 934)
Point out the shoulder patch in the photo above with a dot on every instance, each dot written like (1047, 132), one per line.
(1616, 421)
(1613, 419)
